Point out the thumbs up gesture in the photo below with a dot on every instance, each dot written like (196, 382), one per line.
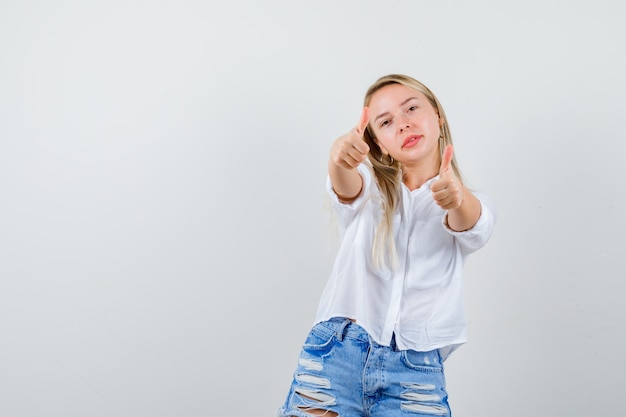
(447, 190)
(349, 150)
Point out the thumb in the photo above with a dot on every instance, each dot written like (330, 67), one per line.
(365, 118)
(446, 159)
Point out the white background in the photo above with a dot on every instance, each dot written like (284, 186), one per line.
(164, 228)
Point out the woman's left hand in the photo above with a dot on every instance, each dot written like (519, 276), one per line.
(447, 190)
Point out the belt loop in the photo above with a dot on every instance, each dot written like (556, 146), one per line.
(342, 329)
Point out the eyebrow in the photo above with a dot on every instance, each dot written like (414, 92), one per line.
(401, 104)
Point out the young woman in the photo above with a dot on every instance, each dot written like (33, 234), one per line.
(392, 310)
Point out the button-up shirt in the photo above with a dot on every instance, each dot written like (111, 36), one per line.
(421, 299)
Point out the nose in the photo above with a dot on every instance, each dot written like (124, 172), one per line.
(404, 122)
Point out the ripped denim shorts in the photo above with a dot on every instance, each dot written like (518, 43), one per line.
(342, 372)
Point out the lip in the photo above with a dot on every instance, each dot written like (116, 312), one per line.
(411, 141)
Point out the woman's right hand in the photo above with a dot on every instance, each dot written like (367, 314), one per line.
(349, 150)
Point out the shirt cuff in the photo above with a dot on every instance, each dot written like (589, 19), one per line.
(476, 237)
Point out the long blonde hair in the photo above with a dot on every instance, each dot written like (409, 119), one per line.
(389, 175)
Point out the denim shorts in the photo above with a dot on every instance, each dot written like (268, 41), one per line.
(342, 370)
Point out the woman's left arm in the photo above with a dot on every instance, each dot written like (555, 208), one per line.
(465, 216)
(450, 194)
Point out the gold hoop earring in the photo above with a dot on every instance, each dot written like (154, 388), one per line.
(389, 159)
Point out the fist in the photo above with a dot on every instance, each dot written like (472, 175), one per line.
(447, 190)
(349, 150)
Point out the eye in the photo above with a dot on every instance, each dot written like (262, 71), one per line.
(384, 123)
(412, 108)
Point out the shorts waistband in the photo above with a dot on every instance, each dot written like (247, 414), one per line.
(344, 327)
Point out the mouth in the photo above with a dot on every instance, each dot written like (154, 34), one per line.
(411, 141)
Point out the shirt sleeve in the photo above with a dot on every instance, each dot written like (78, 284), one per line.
(346, 212)
(475, 238)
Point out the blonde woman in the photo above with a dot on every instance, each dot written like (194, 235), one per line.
(392, 310)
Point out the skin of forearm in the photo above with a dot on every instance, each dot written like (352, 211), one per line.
(347, 183)
(466, 215)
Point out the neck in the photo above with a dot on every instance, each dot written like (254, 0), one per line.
(415, 176)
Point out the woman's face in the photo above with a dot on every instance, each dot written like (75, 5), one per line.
(406, 125)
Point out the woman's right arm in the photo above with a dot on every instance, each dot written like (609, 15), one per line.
(346, 154)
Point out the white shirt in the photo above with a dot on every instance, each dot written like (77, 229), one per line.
(421, 301)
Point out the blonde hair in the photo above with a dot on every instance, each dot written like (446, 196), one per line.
(389, 176)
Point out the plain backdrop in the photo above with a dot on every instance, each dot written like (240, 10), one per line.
(164, 228)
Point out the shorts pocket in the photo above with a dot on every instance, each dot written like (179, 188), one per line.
(427, 362)
(320, 339)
